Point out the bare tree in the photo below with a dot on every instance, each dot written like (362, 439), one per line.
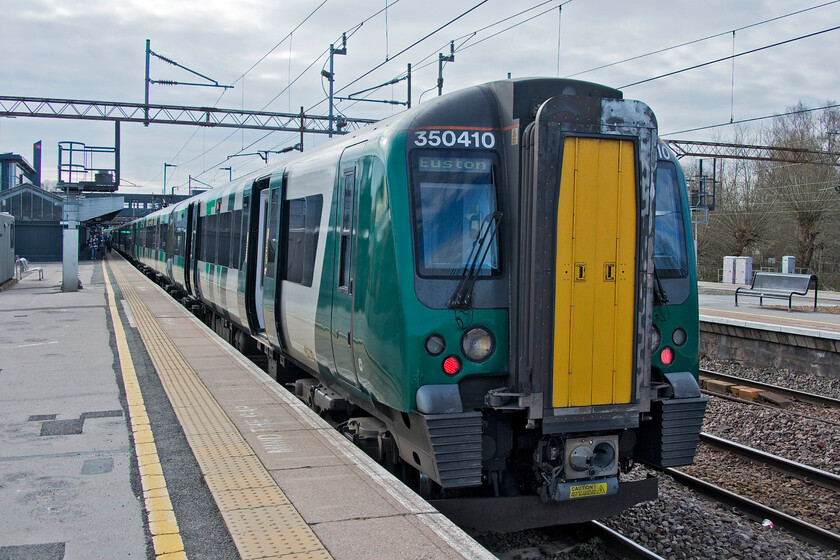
(803, 191)
(742, 215)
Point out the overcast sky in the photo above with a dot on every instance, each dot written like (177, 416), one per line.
(95, 50)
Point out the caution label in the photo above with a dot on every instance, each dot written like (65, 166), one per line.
(586, 490)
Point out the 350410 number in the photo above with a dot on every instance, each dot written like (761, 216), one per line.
(452, 138)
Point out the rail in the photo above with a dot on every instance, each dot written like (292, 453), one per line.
(825, 479)
(802, 529)
(619, 545)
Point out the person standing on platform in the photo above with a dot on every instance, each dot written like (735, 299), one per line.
(92, 245)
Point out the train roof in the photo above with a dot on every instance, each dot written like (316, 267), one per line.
(459, 108)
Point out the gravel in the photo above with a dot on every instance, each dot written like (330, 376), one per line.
(806, 500)
(681, 524)
(798, 438)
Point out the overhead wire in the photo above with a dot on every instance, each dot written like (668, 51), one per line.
(418, 65)
(356, 27)
(722, 59)
(742, 121)
(246, 72)
(466, 38)
(700, 40)
(411, 46)
(350, 32)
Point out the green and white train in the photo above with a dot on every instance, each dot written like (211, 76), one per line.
(494, 292)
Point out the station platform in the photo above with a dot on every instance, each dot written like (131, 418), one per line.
(128, 429)
(717, 305)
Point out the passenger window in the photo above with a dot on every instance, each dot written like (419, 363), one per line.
(303, 216)
(224, 239)
(271, 248)
(345, 280)
(235, 237)
(212, 234)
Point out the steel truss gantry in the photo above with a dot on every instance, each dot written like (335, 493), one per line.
(759, 153)
(167, 114)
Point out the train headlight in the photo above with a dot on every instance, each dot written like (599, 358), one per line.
(655, 339)
(679, 337)
(666, 356)
(478, 344)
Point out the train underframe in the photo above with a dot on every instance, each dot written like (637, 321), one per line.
(506, 476)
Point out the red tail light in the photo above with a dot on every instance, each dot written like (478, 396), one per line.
(452, 365)
(666, 356)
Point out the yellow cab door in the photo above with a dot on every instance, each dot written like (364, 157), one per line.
(595, 274)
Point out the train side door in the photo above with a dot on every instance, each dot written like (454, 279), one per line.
(189, 243)
(259, 263)
(271, 207)
(195, 246)
(257, 218)
(345, 267)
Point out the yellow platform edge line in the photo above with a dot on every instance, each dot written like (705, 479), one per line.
(177, 376)
(166, 537)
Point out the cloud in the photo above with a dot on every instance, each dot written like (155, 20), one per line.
(95, 49)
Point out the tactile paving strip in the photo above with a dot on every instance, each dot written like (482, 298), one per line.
(259, 544)
(262, 522)
(245, 497)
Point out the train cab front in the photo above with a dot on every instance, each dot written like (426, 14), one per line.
(536, 237)
(587, 300)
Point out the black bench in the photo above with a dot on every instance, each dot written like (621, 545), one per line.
(779, 286)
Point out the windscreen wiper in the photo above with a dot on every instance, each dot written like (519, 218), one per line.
(463, 295)
(659, 295)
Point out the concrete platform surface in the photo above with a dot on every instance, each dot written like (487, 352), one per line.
(717, 304)
(128, 429)
(65, 450)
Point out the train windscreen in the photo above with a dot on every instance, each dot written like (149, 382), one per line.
(454, 201)
(670, 250)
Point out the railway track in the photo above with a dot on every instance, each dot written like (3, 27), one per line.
(811, 398)
(786, 466)
(620, 546)
(583, 540)
(800, 528)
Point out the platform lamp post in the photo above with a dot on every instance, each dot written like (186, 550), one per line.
(165, 166)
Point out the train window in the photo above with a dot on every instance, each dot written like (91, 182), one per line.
(670, 250)
(303, 216)
(345, 269)
(223, 250)
(211, 230)
(271, 248)
(243, 241)
(156, 235)
(201, 232)
(170, 234)
(180, 231)
(235, 237)
(454, 200)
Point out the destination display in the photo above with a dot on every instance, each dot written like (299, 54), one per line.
(456, 164)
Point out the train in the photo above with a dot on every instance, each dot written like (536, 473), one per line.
(492, 293)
